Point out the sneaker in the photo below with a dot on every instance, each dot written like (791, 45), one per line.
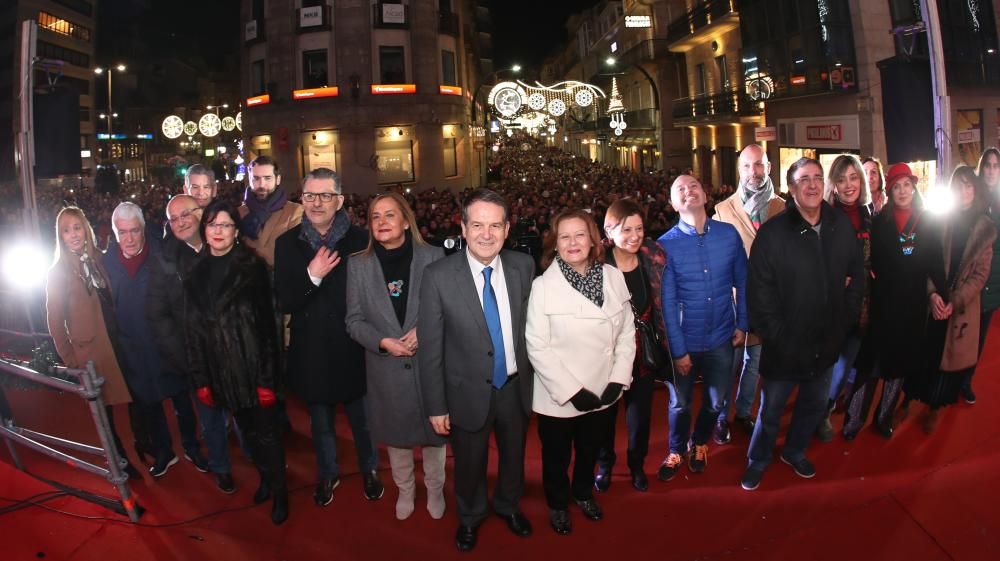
(721, 433)
(751, 478)
(668, 469)
(199, 461)
(803, 468)
(968, 394)
(699, 458)
(160, 468)
(373, 486)
(745, 423)
(824, 432)
(324, 491)
(225, 483)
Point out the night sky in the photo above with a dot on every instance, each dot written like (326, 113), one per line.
(526, 31)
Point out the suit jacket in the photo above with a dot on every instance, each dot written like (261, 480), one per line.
(456, 352)
(278, 223)
(396, 413)
(324, 364)
(575, 345)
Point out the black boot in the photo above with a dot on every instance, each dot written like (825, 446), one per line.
(263, 493)
(279, 508)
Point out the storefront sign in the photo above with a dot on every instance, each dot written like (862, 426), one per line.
(825, 133)
(450, 90)
(638, 21)
(384, 89)
(261, 142)
(311, 16)
(393, 13)
(250, 31)
(331, 91)
(840, 132)
(765, 134)
(258, 100)
(968, 136)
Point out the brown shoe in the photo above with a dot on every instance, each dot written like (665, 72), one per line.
(931, 420)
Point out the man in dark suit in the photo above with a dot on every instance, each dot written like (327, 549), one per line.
(325, 366)
(474, 367)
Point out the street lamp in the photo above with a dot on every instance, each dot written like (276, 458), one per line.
(110, 114)
(217, 107)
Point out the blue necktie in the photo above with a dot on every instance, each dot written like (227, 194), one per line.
(492, 313)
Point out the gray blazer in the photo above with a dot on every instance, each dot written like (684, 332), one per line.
(456, 352)
(396, 415)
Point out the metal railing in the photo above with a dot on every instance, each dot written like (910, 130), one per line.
(702, 15)
(729, 104)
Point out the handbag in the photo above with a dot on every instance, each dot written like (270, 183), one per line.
(650, 346)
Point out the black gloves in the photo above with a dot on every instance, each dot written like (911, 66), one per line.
(611, 393)
(585, 400)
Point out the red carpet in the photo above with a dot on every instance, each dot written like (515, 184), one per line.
(912, 498)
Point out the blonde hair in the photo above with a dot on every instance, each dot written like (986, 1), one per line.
(840, 166)
(408, 216)
(89, 246)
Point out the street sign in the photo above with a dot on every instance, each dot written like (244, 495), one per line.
(765, 134)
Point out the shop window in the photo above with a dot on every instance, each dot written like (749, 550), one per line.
(394, 155)
(448, 75)
(392, 65)
(319, 150)
(314, 73)
(450, 158)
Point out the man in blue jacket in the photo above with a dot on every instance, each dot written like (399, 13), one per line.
(706, 266)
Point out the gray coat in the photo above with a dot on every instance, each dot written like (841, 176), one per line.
(396, 413)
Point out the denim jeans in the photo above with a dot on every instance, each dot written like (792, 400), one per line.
(213, 430)
(746, 362)
(844, 365)
(716, 367)
(323, 416)
(156, 424)
(810, 408)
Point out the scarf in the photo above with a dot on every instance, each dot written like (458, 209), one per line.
(309, 234)
(396, 273)
(134, 263)
(755, 200)
(261, 211)
(591, 284)
(90, 273)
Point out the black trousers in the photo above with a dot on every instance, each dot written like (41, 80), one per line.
(638, 415)
(262, 430)
(561, 437)
(507, 421)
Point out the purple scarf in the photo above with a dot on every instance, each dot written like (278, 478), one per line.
(260, 211)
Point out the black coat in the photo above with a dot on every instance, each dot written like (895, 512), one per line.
(796, 293)
(899, 298)
(324, 364)
(233, 338)
(165, 303)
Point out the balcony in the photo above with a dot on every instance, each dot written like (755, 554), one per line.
(254, 31)
(726, 106)
(645, 51)
(448, 23)
(314, 18)
(390, 15)
(690, 30)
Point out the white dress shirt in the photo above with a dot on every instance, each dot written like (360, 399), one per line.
(499, 284)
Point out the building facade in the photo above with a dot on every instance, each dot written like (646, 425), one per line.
(380, 91)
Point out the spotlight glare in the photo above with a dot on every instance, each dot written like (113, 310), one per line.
(25, 266)
(940, 200)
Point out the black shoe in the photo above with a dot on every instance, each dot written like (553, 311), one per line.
(559, 520)
(884, 429)
(590, 509)
(262, 494)
(751, 479)
(225, 483)
(324, 491)
(850, 435)
(143, 450)
(721, 433)
(968, 394)
(745, 423)
(803, 468)
(465, 537)
(160, 468)
(279, 508)
(602, 481)
(517, 523)
(639, 481)
(824, 432)
(199, 461)
(373, 486)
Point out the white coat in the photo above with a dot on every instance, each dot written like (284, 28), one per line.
(573, 344)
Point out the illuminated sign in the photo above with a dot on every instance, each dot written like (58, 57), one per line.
(259, 100)
(310, 93)
(144, 136)
(386, 89)
(450, 90)
(765, 134)
(84, 153)
(798, 80)
(827, 133)
(638, 21)
(311, 16)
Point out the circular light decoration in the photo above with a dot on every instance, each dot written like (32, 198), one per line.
(507, 98)
(557, 107)
(536, 101)
(172, 127)
(209, 124)
(583, 97)
(228, 123)
(758, 86)
(239, 121)
(190, 128)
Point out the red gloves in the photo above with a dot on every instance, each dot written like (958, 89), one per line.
(266, 397)
(204, 394)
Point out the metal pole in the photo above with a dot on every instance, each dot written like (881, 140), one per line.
(939, 87)
(24, 148)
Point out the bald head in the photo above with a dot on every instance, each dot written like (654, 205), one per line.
(753, 166)
(687, 195)
(184, 214)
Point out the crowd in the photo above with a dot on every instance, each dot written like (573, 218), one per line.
(849, 283)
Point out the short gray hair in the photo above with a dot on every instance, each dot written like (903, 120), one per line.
(127, 211)
(325, 173)
(198, 169)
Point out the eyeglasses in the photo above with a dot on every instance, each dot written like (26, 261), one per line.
(803, 182)
(325, 197)
(183, 216)
(220, 225)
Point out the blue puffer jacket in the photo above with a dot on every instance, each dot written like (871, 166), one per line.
(698, 282)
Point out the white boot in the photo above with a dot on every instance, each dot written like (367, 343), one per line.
(401, 462)
(434, 458)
